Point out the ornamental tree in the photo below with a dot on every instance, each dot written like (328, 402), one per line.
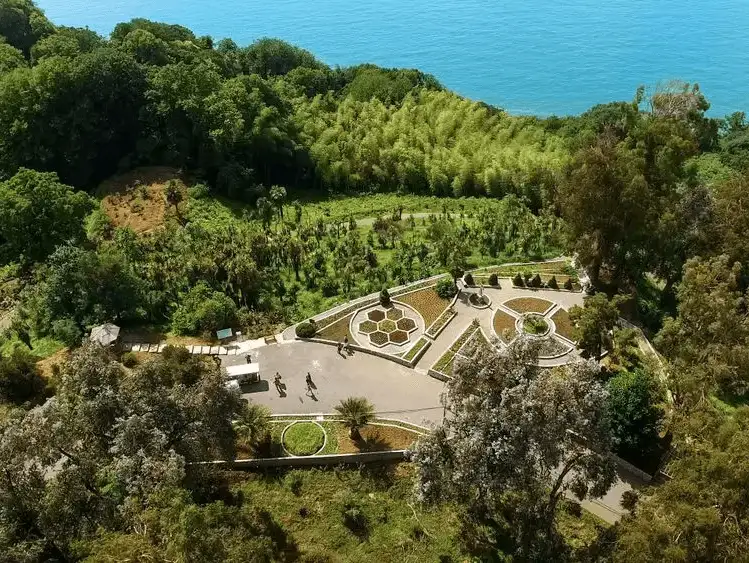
(514, 441)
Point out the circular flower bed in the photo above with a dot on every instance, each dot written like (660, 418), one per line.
(535, 325)
(303, 438)
(479, 301)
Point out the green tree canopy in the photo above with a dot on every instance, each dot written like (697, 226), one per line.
(39, 213)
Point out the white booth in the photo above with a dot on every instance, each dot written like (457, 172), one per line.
(244, 373)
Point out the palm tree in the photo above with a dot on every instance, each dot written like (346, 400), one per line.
(356, 412)
(253, 423)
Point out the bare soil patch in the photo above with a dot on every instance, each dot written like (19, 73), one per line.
(504, 326)
(136, 199)
(338, 330)
(376, 439)
(46, 366)
(564, 324)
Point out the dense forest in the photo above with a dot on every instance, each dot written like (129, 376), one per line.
(289, 186)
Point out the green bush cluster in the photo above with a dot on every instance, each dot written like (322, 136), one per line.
(306, 330)
(446, 288)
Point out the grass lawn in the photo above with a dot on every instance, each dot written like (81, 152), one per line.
(303, 438)
(564, 324)
(338, 330)
(528, 305)
(504, 326)
(427, 302)
(41, 346)
(309, 505)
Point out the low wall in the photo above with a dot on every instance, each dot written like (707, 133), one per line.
(310, 461)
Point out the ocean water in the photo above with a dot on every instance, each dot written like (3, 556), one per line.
(527, 56)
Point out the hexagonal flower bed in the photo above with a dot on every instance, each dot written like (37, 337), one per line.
(367, 327)
(394, 314)
(406, 324)
(378, 338)
(376, 315)
(398, 337)
(386, 326)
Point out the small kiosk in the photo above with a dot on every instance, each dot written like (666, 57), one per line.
(244, 374)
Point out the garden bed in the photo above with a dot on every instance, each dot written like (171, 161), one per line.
(551, 347)
(475, 344)
(338, 330)
(528, 305)
(445, 364)
(415, 349)
(504, 326)
(427, 303)
(441, 322)
(564, 324)
(377, 436)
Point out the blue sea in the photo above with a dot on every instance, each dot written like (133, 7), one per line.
(527, 56)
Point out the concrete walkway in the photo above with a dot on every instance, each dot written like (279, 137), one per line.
(394, 390)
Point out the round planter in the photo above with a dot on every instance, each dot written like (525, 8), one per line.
(521, 321)
(485, 305)
(283, 438)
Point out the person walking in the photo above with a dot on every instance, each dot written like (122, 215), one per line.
(310, 383)
(277, 383)
(248, 358)
(340, 347)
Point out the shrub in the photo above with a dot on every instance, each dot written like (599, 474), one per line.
(517, 281)
(199, 191)
(493, 280)
(204, 311)
(355, 519)
(568, 284)
(468, 278)
(305, 330)
(385, 297)
(537, 281)
(67, 331)
(129, 360)
(293, 482)
(20, 381)
(552, 283)
(329, 287)
(446, 288)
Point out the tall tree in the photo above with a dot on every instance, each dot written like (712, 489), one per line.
(39, 213)
(708, 339)
(701, 513)
(594, 323)
(514, 440)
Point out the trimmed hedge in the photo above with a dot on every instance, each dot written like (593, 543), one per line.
(306, 330)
